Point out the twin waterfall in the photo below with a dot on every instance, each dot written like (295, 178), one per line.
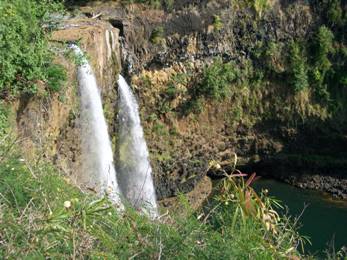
(133, 184)
(134, 170)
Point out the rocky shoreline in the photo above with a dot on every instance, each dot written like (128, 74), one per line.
(309, 176)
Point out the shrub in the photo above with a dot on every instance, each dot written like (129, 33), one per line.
(323, 47)
(260, 6)
(157, 35)
(297, 68)
(3, 120)
(216, 80)
(56, 77)
(24, 53)
(169, 5)
(217, 23)
(176, 85)
(334, 12)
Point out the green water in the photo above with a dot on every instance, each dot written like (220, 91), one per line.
(324, 220)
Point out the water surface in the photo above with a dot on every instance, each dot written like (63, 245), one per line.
(324, 220)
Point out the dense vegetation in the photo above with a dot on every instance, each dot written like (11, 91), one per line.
(25, 57)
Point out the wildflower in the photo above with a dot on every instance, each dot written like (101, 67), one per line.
(67, 204)
(12, 169)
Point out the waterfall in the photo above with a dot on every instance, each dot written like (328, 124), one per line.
(133, 167)
(97, 169)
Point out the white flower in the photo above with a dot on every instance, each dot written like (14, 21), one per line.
(67, 204)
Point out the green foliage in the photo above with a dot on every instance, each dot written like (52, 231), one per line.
(169, 4)
(159, 128)
(217, 23)
(273, 57)
(157, 35)
(56, 77)
(176, 85)
(259, 6)
(4, 125)
(297, 68)
(216, 80)
(323, 47)
(323, 44)
(333, 12)
(24, 54)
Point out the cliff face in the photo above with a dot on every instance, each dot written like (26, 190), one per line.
(49, 126)
(165, 53)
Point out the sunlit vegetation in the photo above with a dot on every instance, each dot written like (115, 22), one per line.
(25, 57)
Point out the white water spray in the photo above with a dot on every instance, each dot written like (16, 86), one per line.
(97, 171)
(133, 167)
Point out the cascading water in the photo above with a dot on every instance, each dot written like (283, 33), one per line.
(133, 167)
(97, 171)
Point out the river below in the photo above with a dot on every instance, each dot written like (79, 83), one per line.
(324, 220)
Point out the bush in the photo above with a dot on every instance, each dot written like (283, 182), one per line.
(216, 80)
(322, 47)
(24, 53)
(333, 12)
(297, 68)
(56, 77)
(157, 35)
(217, 23)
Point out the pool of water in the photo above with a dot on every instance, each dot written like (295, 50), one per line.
(324, 220)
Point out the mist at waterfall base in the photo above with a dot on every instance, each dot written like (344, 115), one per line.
(133, 167)
(97, 169)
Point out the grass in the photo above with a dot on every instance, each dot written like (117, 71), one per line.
(43, 216)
